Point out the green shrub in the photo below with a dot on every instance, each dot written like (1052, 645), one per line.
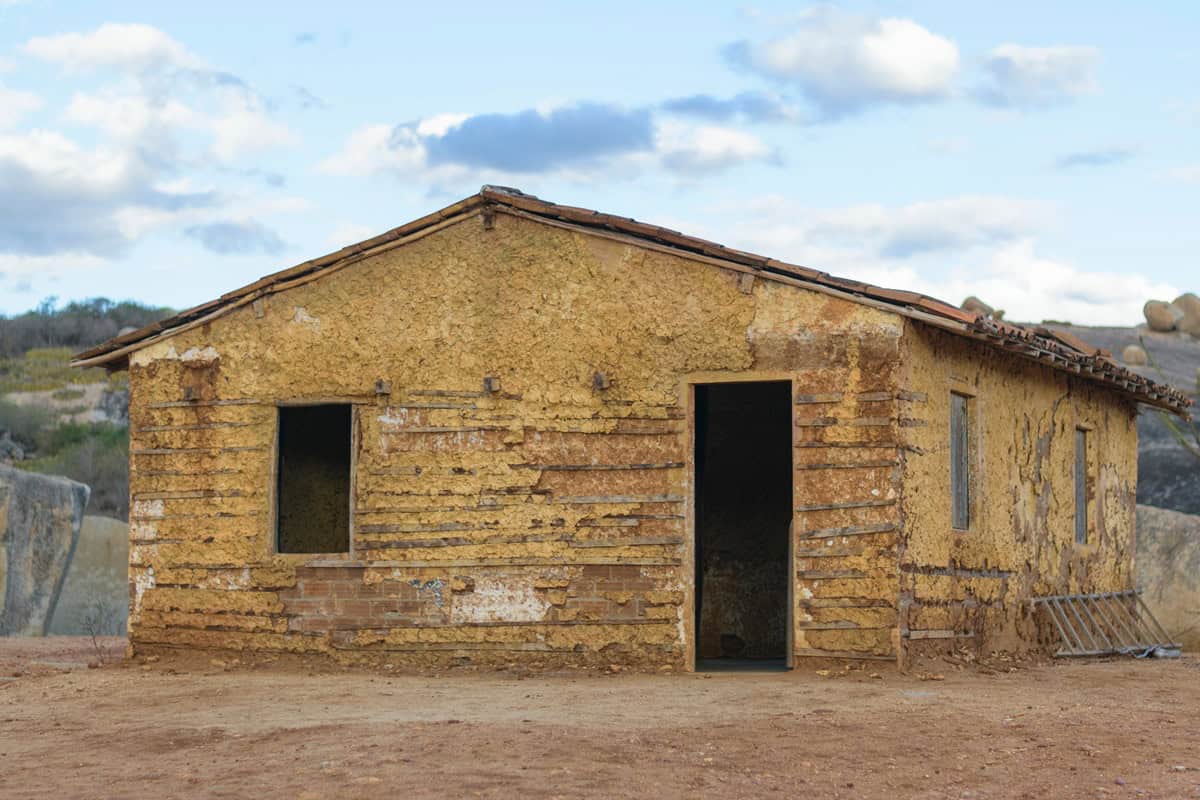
(97, 455)
(25, 424)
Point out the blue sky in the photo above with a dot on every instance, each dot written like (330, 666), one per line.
(1041, 156)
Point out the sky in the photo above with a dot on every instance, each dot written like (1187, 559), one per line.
(1043, 157)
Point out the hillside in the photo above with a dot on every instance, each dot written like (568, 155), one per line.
(63, 421)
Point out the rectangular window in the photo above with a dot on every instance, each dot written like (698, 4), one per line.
(1081, 481)
(960, 462)
(313, 480)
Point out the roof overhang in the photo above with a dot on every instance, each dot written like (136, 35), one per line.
(1056, 349)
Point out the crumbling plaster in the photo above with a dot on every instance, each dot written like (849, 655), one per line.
(553, 515)
(975, 584)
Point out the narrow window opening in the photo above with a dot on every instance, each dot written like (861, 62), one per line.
(313, 483)
(1081, 481)
(960, 462)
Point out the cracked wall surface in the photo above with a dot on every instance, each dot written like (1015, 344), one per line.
(972, 587)
(551, 515)
(542, 515)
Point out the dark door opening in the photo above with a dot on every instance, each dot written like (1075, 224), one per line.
(743, 515)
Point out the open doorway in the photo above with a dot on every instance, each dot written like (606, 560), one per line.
(743, 507)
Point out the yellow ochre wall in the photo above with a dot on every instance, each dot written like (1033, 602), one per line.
(973, 587)
(548, 522)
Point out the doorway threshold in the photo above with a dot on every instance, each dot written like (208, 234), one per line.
(741, 665)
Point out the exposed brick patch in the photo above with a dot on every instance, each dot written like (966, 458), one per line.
(338, 598)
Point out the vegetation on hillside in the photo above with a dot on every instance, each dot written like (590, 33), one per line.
(44, 368)
(76, 326)
(95, 453)
(35, 352)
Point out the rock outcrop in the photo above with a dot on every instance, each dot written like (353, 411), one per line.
(1168, 475)
(40, 517)
(1189, 304)
(1160, 316)
(977, 306)
(1134, 356)
(1168, 570)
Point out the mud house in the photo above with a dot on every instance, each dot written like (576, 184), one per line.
(513, 431)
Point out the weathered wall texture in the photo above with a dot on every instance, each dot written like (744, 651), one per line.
(40, 517)
(971, 587)
(546, 521)
(1168, 571)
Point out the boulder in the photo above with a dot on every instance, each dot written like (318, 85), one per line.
(40, 518)
(1133, 355)
(1160, 316)
(1168, 571)
(977, 306)
(1188, 303)
(95, 593)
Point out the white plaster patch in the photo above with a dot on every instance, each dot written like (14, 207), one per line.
(203, 355)
(234, 579)
(193, 356)
(806, 593)
(496, 600)
(302, 317)
(148, 509)
(395, 417)
(142, 580)
(143, 531)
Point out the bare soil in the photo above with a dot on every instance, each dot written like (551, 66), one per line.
(204, 726)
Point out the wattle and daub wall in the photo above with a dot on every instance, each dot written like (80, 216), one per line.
(544, 519)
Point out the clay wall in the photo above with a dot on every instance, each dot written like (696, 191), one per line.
(539, 517)
(971, 587)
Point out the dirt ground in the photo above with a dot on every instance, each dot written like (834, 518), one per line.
(206, 727)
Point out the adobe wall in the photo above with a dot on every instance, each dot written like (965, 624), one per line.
(546, 522)
(972, 587)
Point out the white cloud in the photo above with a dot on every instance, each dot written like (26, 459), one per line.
(376, 148)
(893, 233)
(27, 266)
(129, 116)
(59, 197)
(1030, 287)
(347, 233)
(1189, 173)
(1038, 77)
(243, 128)
(235, 121)
(158, 113)
(950, 145)
(845, 62)
(572, 141)
(707, 148)
(133, 47)
(15, 105)
(948, 249)
(50, 154)
(170, 90)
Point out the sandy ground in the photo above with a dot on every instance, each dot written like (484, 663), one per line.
(189, 727)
